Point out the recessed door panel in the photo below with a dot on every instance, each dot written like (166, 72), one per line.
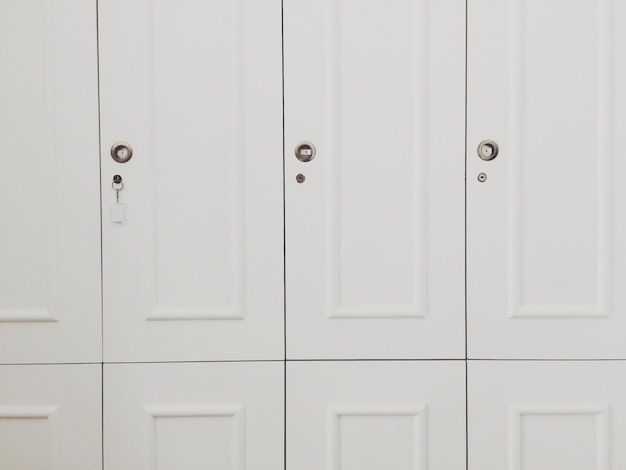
(545, 223)
(364, 415)
(51, 417)
(50, 300)
(191, 416)
(193, 259)
(531, 415)
(374, 222)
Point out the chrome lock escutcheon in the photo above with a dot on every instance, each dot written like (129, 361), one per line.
(488, 150)
(305, 151)
(121, 152)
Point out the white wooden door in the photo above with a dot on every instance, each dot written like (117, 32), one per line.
(546, 258)
(195, 270)
(51, 417)
(194, 416)
(374, 234)
(535, 415)
(50, 301)
(369, 415)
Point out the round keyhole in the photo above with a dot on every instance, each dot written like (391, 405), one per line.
(487, 150)
(121, 152)
(305, 151)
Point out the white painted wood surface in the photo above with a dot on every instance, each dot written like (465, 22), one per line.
(51, 417)
(196, 271)
(50, 301)
(546, 262)
(189, 416)
(545, 414)
(367, 415)
(374, 248)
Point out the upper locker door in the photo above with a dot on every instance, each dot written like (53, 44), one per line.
(195, 269)
(546, 229)
(50, 302)
(375, 223)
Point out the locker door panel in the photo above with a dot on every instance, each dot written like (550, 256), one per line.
(532, 415)
(191, 416)
(375, 231)
(49, 242)
(195, 270)
(371, 415)
(545, 257)
(51, 417)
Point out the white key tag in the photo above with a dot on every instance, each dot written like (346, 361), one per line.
(118, 211)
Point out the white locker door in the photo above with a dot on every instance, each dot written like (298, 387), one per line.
(194, 416)
(546, 229)
(51, 417)
(372, 415)
(546, 415)
(50, 302)
(194, 268)
(375, 246)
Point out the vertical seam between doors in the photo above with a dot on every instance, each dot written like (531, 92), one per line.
(465, 240)
(101, 237)
(282, 43)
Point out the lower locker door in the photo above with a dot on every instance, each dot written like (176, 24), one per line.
(194, 416)
(376, 415)
(547, 415)
(51, 417)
